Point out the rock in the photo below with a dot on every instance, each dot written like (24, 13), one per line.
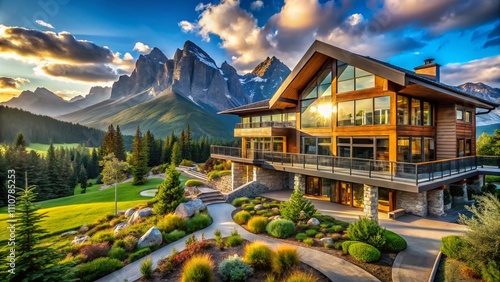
(327, 240)
(84, 229)
(186, 210)
(129, 212)
(66, 234)
(80, 239)
(275, 210)
(142, 213)
(258, 207)
(275, 217)
(152, 237)
(119, 227)
(313, 222)
(121, 213)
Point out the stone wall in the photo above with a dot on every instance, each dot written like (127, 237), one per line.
(250, 189)
(413, 203)
(223, 184)
(435, 202)
(370, 201)
(239, 174)
(299, 180)
(275, 180)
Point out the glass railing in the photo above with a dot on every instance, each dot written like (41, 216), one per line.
(417, 173)
(277, 124)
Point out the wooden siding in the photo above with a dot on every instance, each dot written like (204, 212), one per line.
(446, 126)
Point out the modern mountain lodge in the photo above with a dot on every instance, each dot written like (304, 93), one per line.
(360, 132)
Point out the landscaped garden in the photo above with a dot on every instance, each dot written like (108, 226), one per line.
(296, 221)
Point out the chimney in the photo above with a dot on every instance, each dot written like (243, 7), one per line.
(429, 69)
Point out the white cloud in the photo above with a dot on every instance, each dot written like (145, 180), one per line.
(257, 5)
(187, 26)
(44, 24)
(486, 70)
(142, 48)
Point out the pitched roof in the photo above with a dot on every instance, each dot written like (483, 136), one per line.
(260, 105)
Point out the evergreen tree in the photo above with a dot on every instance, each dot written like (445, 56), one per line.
(33, 261)
(3, 180)
(82, 179)
(149, 141)
(182, 144)
(94, 164)
(20, 142)
(166, 154)
(53, 173)
(176, 155)
(298, 203)
(37, 175)
(108, 142)
(170, 193)
(139, 160)
(66, 175)
(119, 147)
(188, 144)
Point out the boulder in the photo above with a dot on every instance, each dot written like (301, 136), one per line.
(313, 222)
(186, 210)
(66, 234)
(142, 213)
(119, 227)
(275, 217)
(84, 229)
(258, 207)
(129, 212)
(152, 237)
(327, 240)
(275, 210)
(80, 239)
(122, 212)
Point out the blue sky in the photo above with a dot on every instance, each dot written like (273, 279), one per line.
(68, 46)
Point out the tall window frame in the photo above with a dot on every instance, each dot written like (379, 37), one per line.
(316, 100)
(414, 111)
(350, 78)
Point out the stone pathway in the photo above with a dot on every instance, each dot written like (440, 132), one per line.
(333, 267)
(423, 236)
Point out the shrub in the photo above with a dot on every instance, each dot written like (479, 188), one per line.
(337, 245)
(346, 245)
(394, 242)
(139, 254)
(280, 228)
(291, 209)
(103, 236)
(130, 242)
(368, 231)
(301, 236)
(234, 269)
(185, 162)
(343, 224)
(456, 191)
(198, 268)
(285, 258)
(97, 268)
(233, 240)
(311, 232)
(309, 241)
(249, 207)
(170, 192)
(117, 253)
(298, 276)
(335, 229)
(364, 252)
(174, 235)
(218, 239)
(453, 246)
(319, 235)
(257, 224)
(258, 255)
(119, 244)
(328, 245)
(147, 268)
(194, 183)
(242, 217)
(93, 251)
(197, 222)
(170, 222)
(240, 201)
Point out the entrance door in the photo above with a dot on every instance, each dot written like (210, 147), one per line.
(313, 186)
(345, 193)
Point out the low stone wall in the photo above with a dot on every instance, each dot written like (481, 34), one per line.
(223, 184)
(275, 180)
(250, 189)
(413, 203)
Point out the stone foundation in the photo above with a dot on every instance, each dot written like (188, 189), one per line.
(274, 179)
(413, 203)
(370, 201)
(250, 189)
(223, 184)
(435, 202)
(299, 180)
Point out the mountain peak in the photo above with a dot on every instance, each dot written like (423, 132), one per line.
(195, 50)
(268, 66)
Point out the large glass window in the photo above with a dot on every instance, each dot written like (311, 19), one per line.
(411, 149)
(468, 116)
(363, 148)
(403, 149)
(309, 145)
(403, 110)
(345, 112)
(416, 149)
(460, 114)
(382, 110)
(350, 78)
(316, 102)
(383, 149)
(413, 111)
(364, 112)
(317, 145)
(427, 114)
(429, 149)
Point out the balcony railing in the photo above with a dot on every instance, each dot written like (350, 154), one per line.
(417, 173)
(276, 124)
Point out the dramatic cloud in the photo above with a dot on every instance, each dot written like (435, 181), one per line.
(12, 83)
(486, 70)
(44, 24)
(257, 5)
(85, 73)
(142, 48)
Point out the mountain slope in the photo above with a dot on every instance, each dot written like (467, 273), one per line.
(488, 93)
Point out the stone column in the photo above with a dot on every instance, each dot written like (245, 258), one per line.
(237, 173)
(435, 202)
(370, 201)
(299, 180)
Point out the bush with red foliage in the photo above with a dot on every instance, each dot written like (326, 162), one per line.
(93, 251)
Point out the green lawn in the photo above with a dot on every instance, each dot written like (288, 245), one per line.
(71, 212)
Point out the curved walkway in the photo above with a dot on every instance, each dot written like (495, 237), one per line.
(333, 267)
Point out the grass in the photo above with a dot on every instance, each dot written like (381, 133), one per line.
(452, 270)
(71, 212)
(43, 148)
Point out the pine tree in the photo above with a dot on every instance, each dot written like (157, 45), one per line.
(119, 147)
(170, 193)
(53, 173)
(149, 141)
(176, 155)
(33, 261)
(182, 144)
(94, 164)
(298, 202)
(82, 179)
(108, 142)
(20, 142)
(166, 152)
(139, 161)
(188, 144)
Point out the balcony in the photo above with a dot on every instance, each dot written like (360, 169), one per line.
(264, 128)
(411, 177)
